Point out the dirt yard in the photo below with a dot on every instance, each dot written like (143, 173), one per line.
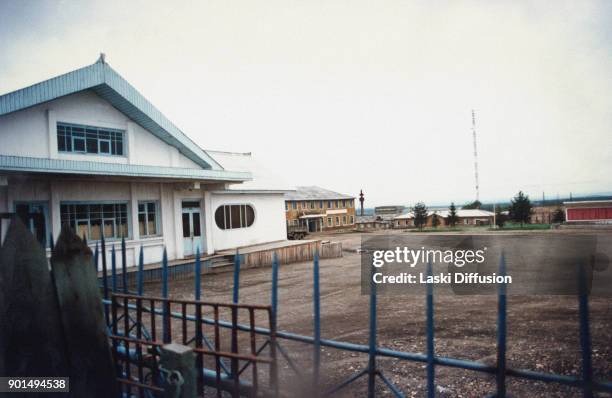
(542, 330)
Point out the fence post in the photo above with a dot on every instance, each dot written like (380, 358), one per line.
(198, 275)
(92, 372)
(141, 271)
(372, 339)
(501, 332)
(431, 371)
(178, 366)
(124, 276)
(236, 290)
(31, 340)
(317, 321)
(585, 334)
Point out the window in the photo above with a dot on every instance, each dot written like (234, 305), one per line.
(343, 203)
(329, 204)
(343, 220)
(303, 205)
(337, 220)
(294, 205)
(94, 219)
(330, 222)
(337, 205)
(147, 218)
(286, 206)
(312, 204)
(234, 216)
(351, 220)
(350, 203)
(320, 204)
(87, 139)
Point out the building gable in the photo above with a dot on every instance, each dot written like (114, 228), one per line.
(109, 85)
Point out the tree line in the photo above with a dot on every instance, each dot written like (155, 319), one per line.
(519, 211)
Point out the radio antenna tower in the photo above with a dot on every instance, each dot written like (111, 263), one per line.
(475, 155)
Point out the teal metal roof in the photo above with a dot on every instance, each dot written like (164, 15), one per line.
(45, 165)
(108, 84)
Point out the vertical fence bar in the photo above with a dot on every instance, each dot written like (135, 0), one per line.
(124, 266)
(431, 371)
(236, 290)
(113, 269)
(166, 308)
(95, 258)
(585, 334)
(253, 339)
(317, 321)
(217, 349)
(198, 343)
(126, 333)
(274, 288)
(501, 331)
(234, 348)
(198, 275)
(104, 275)
(372, 338)
(141, 271)
(273, 365)
(139, 345)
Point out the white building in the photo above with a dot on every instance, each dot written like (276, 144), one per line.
(86, 149)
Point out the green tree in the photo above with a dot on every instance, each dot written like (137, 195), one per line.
(420, 215)
(520, 209)
(500, 217)
(474, 205)
(452, 218)
(558, 216)
(435, 220)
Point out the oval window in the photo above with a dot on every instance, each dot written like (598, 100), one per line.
(234, 216)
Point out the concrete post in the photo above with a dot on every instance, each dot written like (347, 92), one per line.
(178, 363)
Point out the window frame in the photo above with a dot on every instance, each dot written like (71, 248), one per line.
(108, 135)
(103, 219)
(158, 231)
(227, 217)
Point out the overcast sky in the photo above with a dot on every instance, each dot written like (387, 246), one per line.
(352, 95)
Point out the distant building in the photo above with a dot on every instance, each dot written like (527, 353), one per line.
(589, 211)
(388, 212)
(473, 217)
(319, 209)
(371, 223)
(543, 214)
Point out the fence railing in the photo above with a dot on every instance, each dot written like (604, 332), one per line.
(584, 382)
(141, 325)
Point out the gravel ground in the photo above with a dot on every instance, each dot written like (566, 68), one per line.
(542, 330)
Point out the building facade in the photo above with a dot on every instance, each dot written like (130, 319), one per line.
(319, 209)
(465, 217)
(588, 212)
(86, 150)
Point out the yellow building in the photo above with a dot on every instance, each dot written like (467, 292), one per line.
(319, 209)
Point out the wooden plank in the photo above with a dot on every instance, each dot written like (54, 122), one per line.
(31, 342)
(92, 371)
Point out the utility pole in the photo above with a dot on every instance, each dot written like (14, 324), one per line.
(475, 155)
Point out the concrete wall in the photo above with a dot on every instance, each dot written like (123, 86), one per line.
(269, 224)
(37, 126)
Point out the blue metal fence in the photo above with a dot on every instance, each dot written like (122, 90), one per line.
(584, 382)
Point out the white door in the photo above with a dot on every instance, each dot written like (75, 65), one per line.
(192, 230)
